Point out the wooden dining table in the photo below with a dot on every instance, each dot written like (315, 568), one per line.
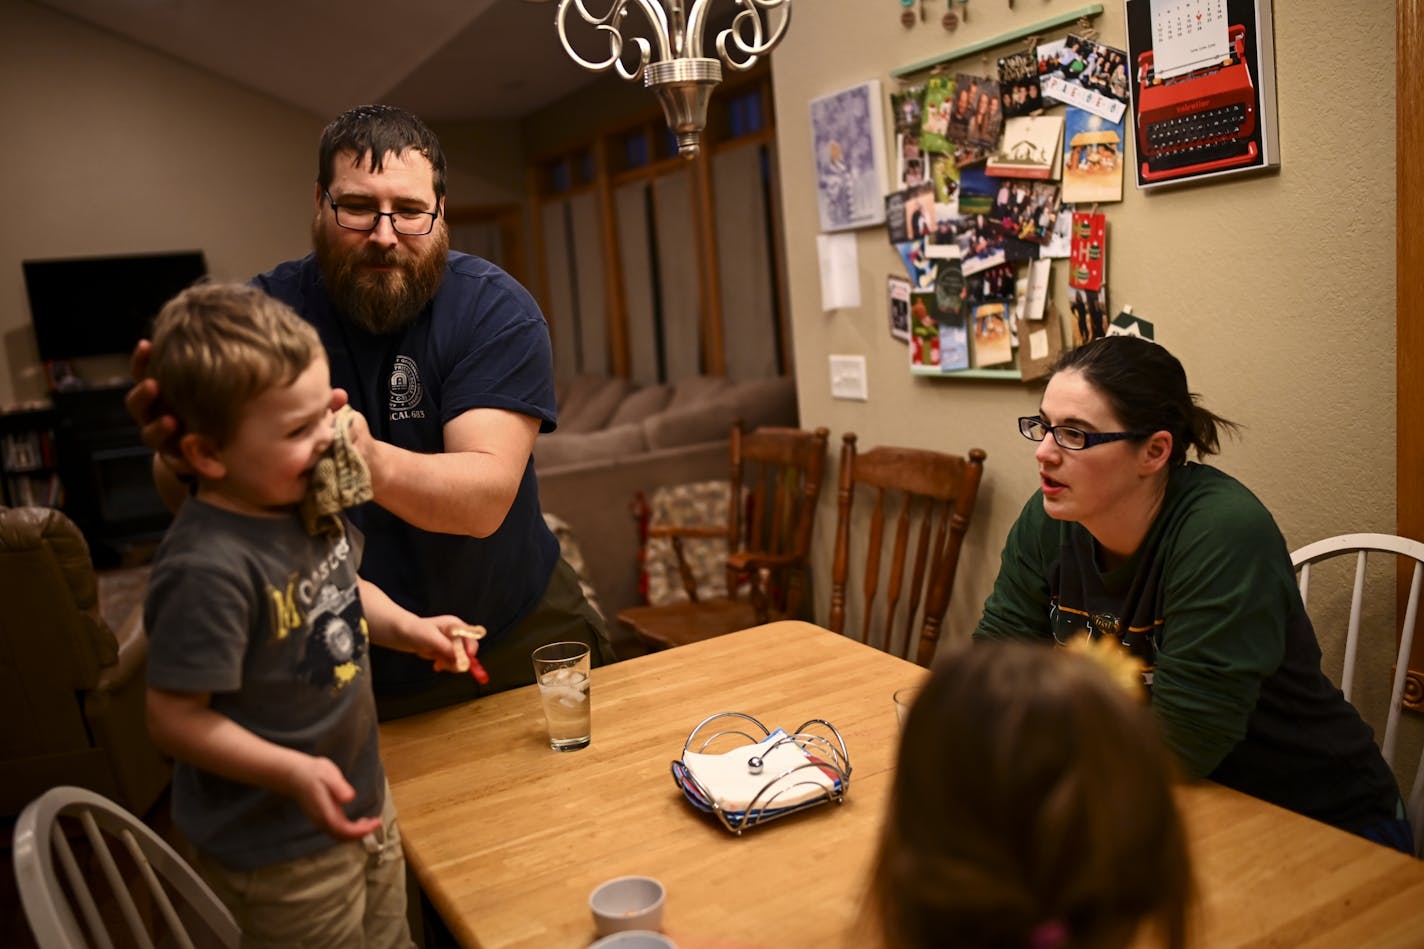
(508, 837)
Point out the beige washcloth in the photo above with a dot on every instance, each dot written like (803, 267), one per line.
(340, 480)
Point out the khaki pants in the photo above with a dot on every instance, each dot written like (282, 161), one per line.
(349, 895)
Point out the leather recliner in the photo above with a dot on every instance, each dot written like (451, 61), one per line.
(72, 686)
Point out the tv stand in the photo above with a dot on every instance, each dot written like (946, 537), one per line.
(107, 472)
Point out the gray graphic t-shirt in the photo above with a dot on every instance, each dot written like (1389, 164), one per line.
(268, 620)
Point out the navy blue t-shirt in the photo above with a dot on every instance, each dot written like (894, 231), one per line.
(481, 343)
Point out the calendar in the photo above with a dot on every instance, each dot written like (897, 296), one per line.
(1203, 88)
(1188, 35)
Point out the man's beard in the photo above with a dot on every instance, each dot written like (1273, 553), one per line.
(382, 302)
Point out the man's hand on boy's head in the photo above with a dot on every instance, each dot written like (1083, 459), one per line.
(158, 429)
(320, 790)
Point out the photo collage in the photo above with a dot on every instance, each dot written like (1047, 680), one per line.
(991, 174)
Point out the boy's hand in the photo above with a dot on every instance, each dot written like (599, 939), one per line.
(320, 789)
(432, 637)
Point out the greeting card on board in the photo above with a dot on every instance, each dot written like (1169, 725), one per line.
(908, 105)
(1018, 84)
(918, 266)
(1085, 73)
(935, 118)
(977, 115)
(992, 345)
(1087, 263)
(953, 345)
(898, 288)
(1090, 314)
(896, 225)
(924, 330)
(1029, 148)
(944, 175)
(1092, 164)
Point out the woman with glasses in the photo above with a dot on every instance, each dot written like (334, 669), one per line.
(1186, 567)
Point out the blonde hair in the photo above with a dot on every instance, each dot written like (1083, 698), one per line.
(1032, 805)
(217, 346)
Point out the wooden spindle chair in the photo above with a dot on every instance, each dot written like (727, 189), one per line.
(775, 477)
(930, 497)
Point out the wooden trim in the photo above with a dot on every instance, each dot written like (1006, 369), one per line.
(759, 137)
(1409, 303)
(508, 218)
(615, 299)
(648, 172)
(783, 279)
(601, 146)
(536, 239)
(573, 192)
(708, 267)
(732, 81)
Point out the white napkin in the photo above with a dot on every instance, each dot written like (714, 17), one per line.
(731, 783)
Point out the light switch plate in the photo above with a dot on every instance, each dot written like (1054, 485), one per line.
(848, 378)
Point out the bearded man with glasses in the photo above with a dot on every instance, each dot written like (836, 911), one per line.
(447, 360)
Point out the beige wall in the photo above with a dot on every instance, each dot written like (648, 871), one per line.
(113, 149)
(1276, 290)
(485, 164)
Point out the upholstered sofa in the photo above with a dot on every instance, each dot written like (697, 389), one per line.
(72, 654)
(616, 439)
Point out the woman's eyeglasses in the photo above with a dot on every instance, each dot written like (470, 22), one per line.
(1036, 429)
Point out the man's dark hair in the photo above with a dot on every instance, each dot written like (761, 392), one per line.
(373, 132)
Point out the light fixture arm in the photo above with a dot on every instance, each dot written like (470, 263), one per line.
(680, 75)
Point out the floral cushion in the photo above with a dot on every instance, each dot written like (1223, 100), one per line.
(569, 550)
(697, 503)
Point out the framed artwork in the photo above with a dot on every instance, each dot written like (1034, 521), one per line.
(848, 141)
(1203, 88)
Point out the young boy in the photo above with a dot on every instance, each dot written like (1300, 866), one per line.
(258, 674)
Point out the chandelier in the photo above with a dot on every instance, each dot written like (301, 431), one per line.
(670, 56)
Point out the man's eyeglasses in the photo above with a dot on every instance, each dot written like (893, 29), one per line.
(357, 218)
(1036, 429)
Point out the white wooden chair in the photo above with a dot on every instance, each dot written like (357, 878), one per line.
(1361, 545)
(40, 843)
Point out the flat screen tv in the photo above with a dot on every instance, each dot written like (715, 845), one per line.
(99, 306)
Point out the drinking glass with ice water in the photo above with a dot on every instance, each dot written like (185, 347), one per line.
(561, 669)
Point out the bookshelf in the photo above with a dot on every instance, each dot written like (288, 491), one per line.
(28, 475)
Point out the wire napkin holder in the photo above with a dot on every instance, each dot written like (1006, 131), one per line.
(819, 773)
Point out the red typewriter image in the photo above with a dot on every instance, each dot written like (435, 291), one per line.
(1202, 121)
(1214, 116)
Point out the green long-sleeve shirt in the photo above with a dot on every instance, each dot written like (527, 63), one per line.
(1209, 602)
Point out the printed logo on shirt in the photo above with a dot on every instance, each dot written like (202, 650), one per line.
(1105, 624)
(405, 389)
(337, 639)
(336, 632)
(1067, 623)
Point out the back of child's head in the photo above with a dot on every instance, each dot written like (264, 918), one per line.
(218, 346)
(1032, 808)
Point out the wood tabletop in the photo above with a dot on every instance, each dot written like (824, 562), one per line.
(1269, 877)
(508, 837)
